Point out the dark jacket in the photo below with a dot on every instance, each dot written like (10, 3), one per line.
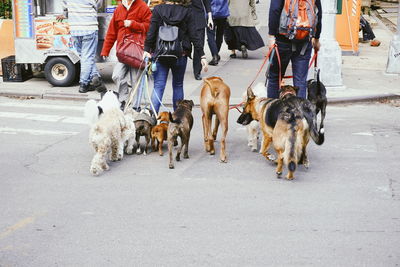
(219, 9)
(200, 9)
(275, 11)
(175, 15)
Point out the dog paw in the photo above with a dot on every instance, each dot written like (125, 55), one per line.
(306, 164)
(171, 166)
(144, 153)
(129, 151)
(186, 156)
(290, 178)
(322, 131)
(138, 151)
(224, 160)
(120, 156)
(177, 158)
(270, 157)
(253, 149)
(212, 152)
(279, 175)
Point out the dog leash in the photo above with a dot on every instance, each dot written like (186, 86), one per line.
(313, 60)
(269, 58)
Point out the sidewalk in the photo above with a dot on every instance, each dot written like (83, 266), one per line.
(364, 76)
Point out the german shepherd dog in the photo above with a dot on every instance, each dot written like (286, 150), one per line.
(268, 111)
(316, 94)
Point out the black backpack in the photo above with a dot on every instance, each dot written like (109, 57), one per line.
(168, 46)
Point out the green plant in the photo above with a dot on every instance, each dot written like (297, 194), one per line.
(5, 9)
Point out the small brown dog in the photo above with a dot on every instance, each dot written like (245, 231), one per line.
(214, 99)
(180, 124)
(159, 132)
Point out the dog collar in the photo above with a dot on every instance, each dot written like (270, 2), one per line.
(286, 93)
(166, 122)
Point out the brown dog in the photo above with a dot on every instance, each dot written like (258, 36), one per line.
(180, 124)
(159, 132)
(214, 99)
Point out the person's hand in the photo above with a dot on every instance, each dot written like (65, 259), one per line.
(146, 55)
(60, 17)
(316, 45)
(271, 41)
(127, 23)
(204, 64)
(210, 22)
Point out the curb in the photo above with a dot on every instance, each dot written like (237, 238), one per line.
(75, 97)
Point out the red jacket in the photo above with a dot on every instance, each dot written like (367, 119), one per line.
(140, 15)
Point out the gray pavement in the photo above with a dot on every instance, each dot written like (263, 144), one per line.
(343, 211)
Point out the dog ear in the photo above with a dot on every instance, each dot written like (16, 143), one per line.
(191, 103)
(250, 94)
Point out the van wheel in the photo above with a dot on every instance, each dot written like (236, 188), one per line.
(60, 71)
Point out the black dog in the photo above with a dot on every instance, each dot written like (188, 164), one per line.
(317, 96)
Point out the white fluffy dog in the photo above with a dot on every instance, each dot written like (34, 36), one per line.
(253, 129)
(110, 129)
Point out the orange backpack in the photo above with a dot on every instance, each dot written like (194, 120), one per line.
(298, 20)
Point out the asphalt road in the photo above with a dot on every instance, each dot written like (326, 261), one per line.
(343, 211)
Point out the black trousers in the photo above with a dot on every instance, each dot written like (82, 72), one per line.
(216, 35)
(196, 56)
(368, 34)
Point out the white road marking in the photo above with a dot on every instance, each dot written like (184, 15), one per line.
(43, 117)
(40, 106)
(7, 130)
(364, 134)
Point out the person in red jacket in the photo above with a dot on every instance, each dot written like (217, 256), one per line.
(129, 16)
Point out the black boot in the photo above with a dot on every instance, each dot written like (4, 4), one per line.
(214, 61)
(98, 84)
(85, 88)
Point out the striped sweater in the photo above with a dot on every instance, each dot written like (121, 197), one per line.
(82, 16)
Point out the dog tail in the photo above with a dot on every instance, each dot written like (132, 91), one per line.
(213, 90)
(292, 144)
(172, 119)
(92, 112)
(311, 117)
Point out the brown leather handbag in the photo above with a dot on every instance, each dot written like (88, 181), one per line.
(130, 50)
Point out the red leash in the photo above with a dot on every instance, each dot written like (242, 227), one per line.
(258, 73)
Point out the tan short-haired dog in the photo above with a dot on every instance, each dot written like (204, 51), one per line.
(159, 132)
(214, 99)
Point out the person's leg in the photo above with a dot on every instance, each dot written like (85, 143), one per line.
(120, 78)
(160, 80)
(87, 57)
(285, 51)
(219, 34)
(197, 57)
(211, 41)
(178, 74)
(368, 34)
(94, 77)
(213, 46)
(300, 69)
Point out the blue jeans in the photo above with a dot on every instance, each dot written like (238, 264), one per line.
(87, 46)
(160, 80)
(299, 68)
